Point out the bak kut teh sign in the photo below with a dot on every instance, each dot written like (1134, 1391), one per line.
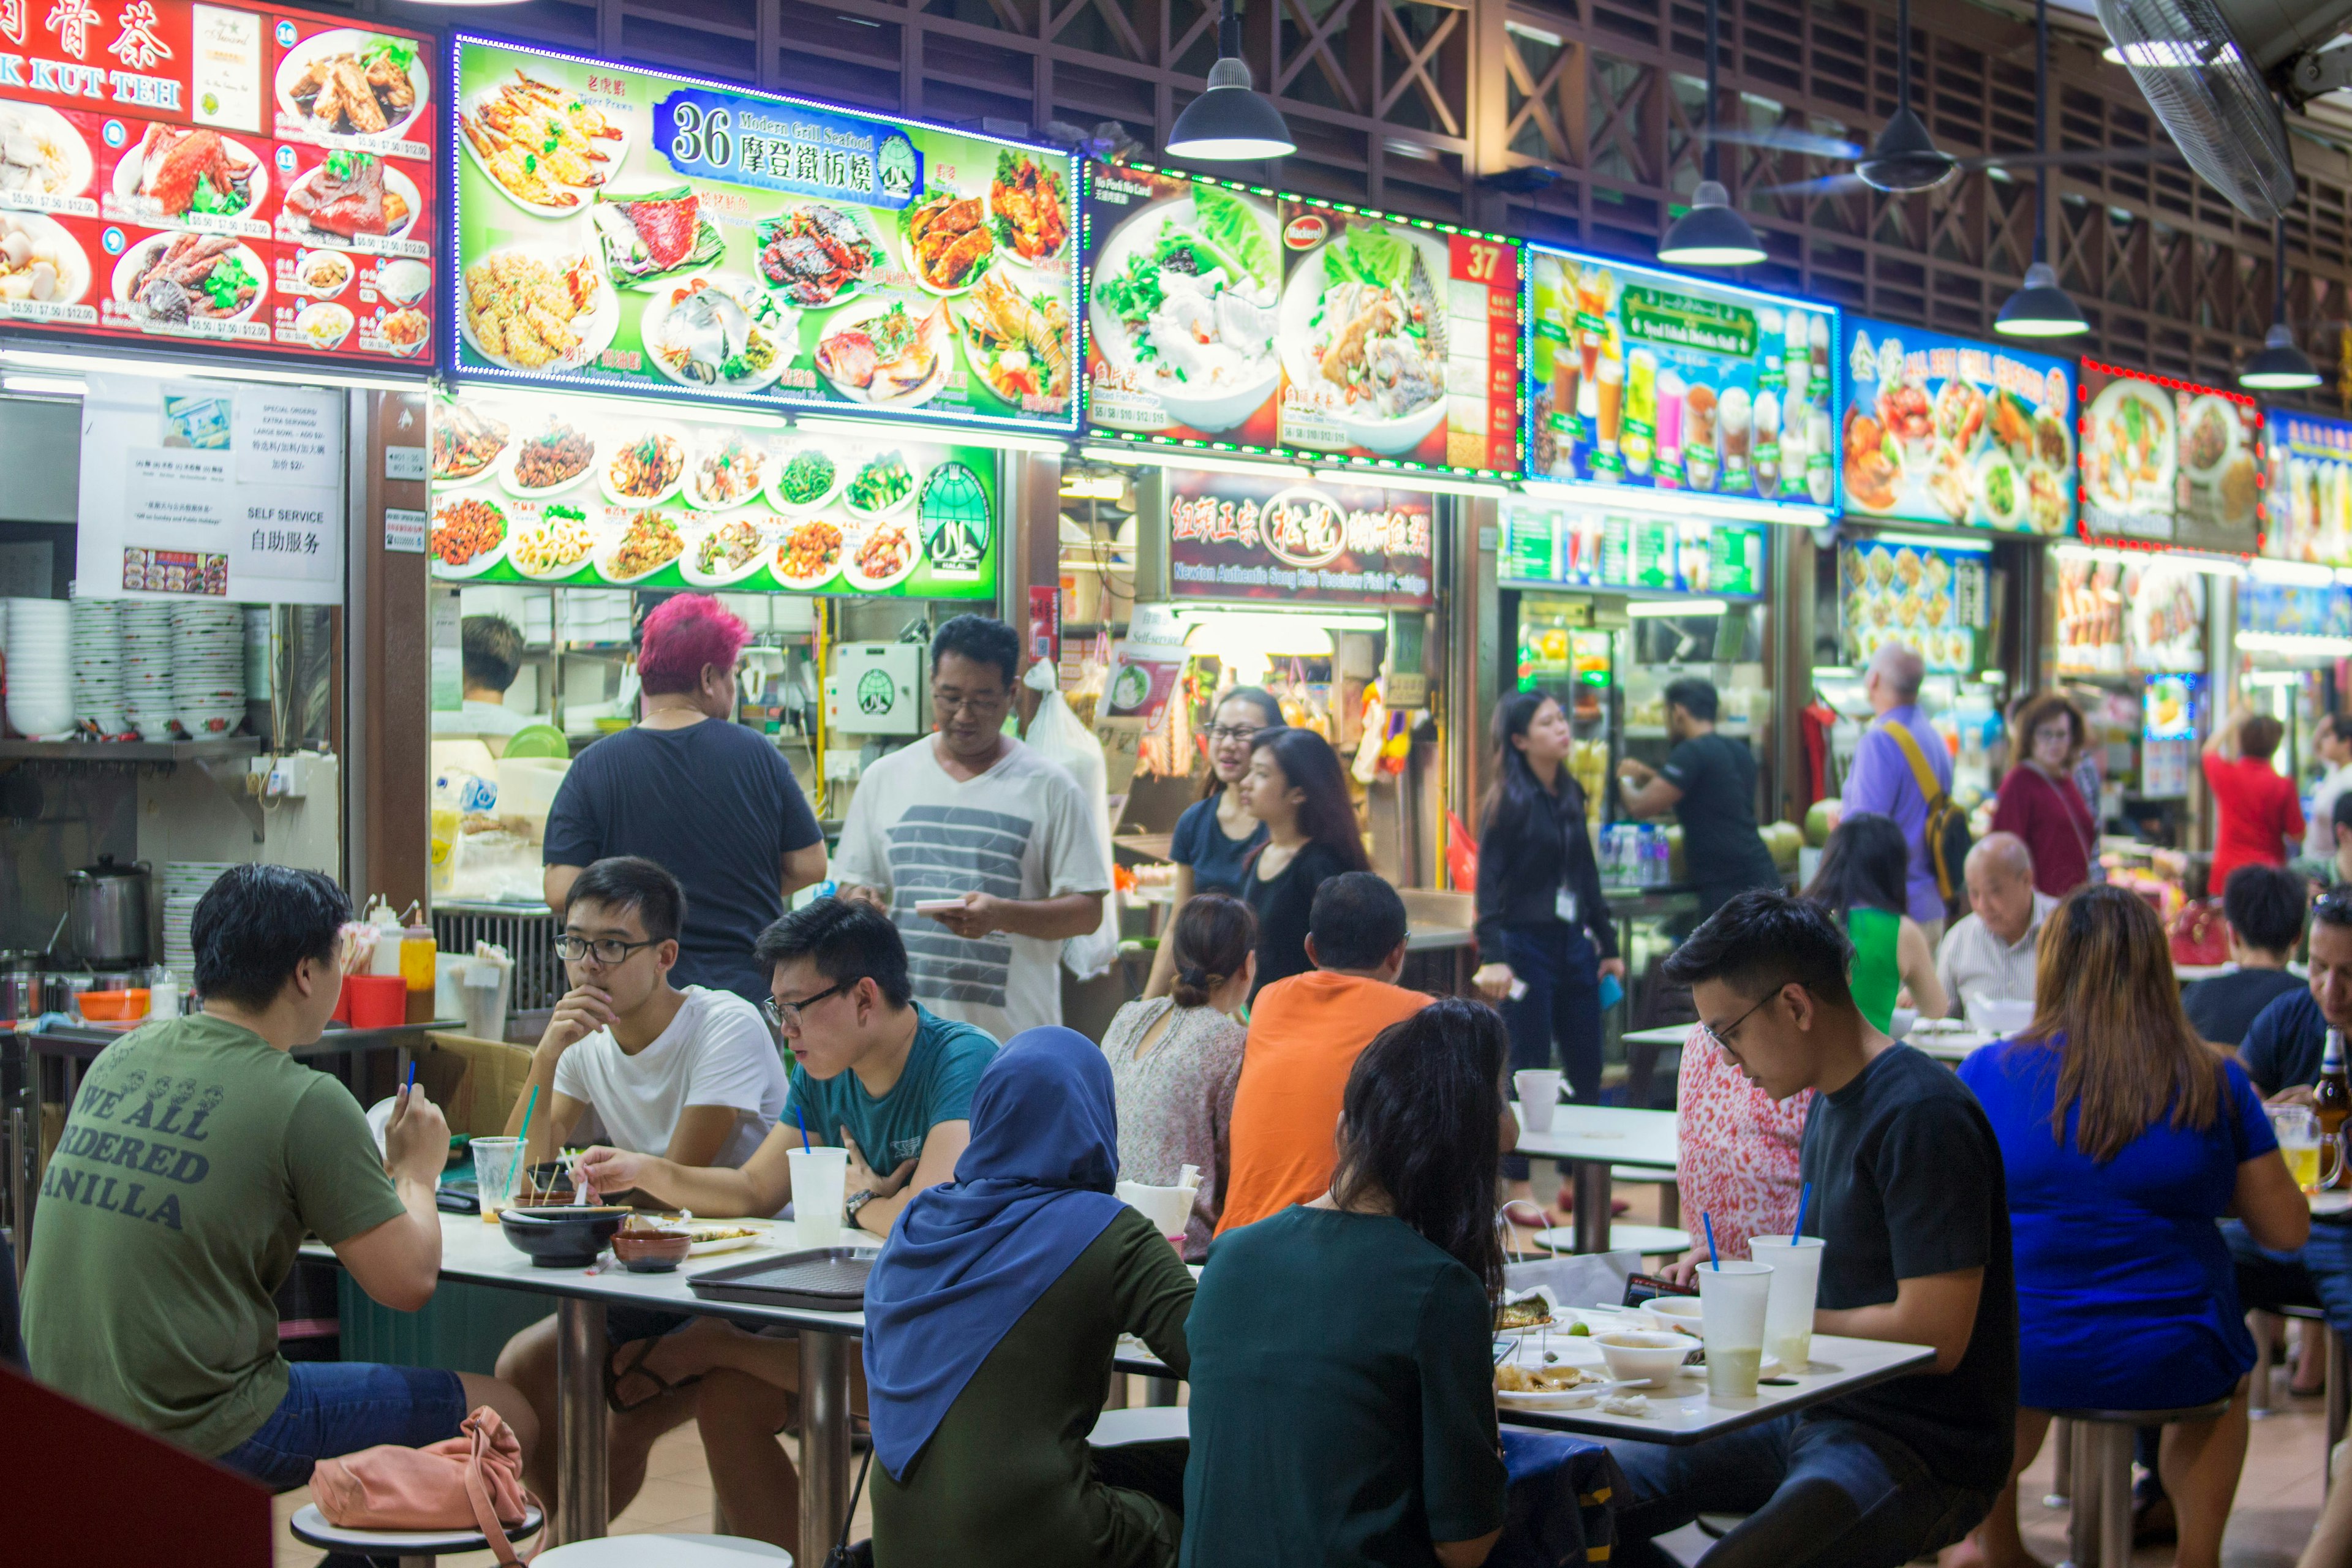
(1234, 536)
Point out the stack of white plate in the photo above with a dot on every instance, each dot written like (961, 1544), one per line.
(207, 667)
(256, 653)
(184, 882)
(98, 664)
(40, 671)
(147, 667)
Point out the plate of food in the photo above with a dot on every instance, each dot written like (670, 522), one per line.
(649, 540)
(544, 146)
(543, 308)
(887, 354)
(1555, 1387)
(719, 331)
(465, 443)
(350, 196)
(557, 546)
(323, 324)
(41, 155)
(176, 173)
(178, 280)
(1525, 1311)
(1185, 303)
(2000, 489)
(807, 480)
(1959, 413)
(2046, 500)
(40, 263)
(882, 555)
(818, 255)
(728, 470)
(652, 233)
(724, 552)
(469, 535)
(552, 460)
(407, 330)
(1017, 339)
(1875, 462)
(403, 281)
(646, 469)
(1363, 335)
(348, 84)
(883, 485)
(808, 553)
(2209, 434)
(1029, 206)
(2128, 457)
(949, 246)
(722, 1235)
(321, 274)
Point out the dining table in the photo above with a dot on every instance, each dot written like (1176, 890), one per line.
(1589, 1139)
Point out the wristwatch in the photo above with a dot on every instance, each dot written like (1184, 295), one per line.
(857, 1201)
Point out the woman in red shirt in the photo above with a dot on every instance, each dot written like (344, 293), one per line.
(2039, 800)
(2259, 812)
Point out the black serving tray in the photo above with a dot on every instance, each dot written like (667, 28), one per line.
(821, 1280)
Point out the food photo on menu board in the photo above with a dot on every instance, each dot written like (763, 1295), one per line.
(1648, 379)
(627, 496)
(1899, 592)
(2168, 460)
(621, 228)
(2307, 511)
(1277, 323)
(2164, 615)
(1940, 429)
(253, 177)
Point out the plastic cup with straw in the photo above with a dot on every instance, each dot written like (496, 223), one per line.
(1796, 1263)
(1732, 1298)
(522, 1156)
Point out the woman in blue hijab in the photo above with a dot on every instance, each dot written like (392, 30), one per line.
(990, 1321)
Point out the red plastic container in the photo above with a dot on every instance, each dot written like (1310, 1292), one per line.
(342, 1012)
(376, 1001)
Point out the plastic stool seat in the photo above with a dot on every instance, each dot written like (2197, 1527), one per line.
(311, 1527)
(663, 1551)
(2099, 1521)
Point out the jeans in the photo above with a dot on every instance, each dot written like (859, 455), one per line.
(1819, 1492)
(337, 1407)
(2319, 1275)
(1561, 1008)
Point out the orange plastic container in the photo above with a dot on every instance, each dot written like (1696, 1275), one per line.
(114, 1007)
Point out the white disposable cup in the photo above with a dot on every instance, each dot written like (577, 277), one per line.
(497, 1163)
(1732, 1297)
(1170, 1209)
(1539, 1095)
(818, 1178)
(1796, 1277)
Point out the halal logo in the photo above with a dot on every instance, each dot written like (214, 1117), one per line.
(876, 693)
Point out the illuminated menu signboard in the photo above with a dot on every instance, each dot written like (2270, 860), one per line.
(1240, 537)
(2170, 460)
(2308, 507)
(1246, 318)
(624, 229)
(225, 175)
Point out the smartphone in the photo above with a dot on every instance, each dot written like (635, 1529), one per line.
(1644, 1288)
(937, 906)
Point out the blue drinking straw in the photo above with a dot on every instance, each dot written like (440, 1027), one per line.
(1713, 1261)
(1804, 1196)
(412, 1074)
(801, 1122)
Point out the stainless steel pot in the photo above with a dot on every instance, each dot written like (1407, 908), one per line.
(106, 912)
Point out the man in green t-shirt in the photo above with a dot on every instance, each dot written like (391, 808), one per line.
(197, 1155)
(874, 1072)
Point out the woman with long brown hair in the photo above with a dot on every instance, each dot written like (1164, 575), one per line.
(2040, 801)
(2124, 1137)
(1296, 787)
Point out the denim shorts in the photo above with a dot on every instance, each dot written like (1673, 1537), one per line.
(337, 1407)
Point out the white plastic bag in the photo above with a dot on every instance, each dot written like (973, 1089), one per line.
(1055, 732)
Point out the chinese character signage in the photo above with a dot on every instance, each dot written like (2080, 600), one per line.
(1941, 429)
(626, 230)
(1933, 600)
(2169, 461)
(620, 496)
(1236, 536)
(231, 176)
(224, 489)
(2308, 511)
(1661, 383)
(1544, 545)
(1240, 316)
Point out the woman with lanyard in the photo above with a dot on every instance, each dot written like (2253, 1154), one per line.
(1213, 838)
(1544, 936)
(2040, 801)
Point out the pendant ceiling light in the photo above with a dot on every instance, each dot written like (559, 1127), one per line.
(1905, 160)
(2040, 309)
(1230, 123)
(1712, 233)
(2281, 366)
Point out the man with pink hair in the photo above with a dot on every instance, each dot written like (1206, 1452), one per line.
(711, 800)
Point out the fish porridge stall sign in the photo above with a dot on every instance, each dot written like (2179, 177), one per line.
(1238, 537)
(232, 176)
(1650, 379)
(1241, 319)
(1941, 429)
(2169, 461)
(634, 231)
(2308, 507)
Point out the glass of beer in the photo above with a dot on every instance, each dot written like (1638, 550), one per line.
(2298, 1140)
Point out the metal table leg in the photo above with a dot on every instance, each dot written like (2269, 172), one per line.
(581, 1451)
(825, 1440)
(1592, 1201)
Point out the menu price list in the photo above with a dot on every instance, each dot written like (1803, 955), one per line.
(1597, 549)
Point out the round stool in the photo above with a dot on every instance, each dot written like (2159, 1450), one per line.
(1670, 1196)
(2099, 1524)
(415, 1548)
(1649, 1240)
(664, 1551)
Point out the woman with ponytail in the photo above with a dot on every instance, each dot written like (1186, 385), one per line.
(1175, 1059)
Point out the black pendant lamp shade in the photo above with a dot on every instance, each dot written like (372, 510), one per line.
(2281, 366)
(1712, 233)
(2040, 309)
(1230, 123)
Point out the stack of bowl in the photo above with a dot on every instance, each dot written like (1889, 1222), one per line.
(147, 667)
(40, 670)
(184, 882)
(98, 664)
(207, 667)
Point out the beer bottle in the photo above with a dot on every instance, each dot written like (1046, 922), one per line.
(2332, 1101)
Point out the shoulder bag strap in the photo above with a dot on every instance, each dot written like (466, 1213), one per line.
(486, 1517)
(1930, 790)
(839, 1556)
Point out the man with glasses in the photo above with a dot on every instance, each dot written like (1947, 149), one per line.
(1908, 1199)
(631, 1060)
(984, 853)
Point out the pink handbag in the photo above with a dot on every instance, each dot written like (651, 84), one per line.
(471, 1481)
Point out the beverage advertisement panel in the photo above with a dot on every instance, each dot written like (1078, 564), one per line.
(1240, 537)
(2307, 512)
(2170, 460)
(1551, 545)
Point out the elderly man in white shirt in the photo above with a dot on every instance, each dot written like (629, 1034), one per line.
(1989, 952)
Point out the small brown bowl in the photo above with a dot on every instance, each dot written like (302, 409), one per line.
(651, 1251)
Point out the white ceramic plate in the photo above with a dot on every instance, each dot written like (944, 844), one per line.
(857, 578)
(594, 326)
(135, 260)
(574, 200)
(129, 171)
(923, 312)
(775, 482)
(790, 531)
(609, 452)
(724, 574)
(302, 285)
(618, 535)
(75, 166)
(73, 269)
(759, 469)
(1210, 411)
(512, 458)
(752, 303)
(347, 41)
(480, 563)
(395, 183)
(1302, 297)
(858, 466)
(596, 543)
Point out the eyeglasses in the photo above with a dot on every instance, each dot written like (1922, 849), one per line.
(1722, 1039)
(786, 1015)
(1224, 734)
(608, 950)
(983, 704)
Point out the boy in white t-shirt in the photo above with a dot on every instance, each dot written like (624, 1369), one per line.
(691, 1075)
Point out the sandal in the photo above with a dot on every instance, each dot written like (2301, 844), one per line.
(614, 1372)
